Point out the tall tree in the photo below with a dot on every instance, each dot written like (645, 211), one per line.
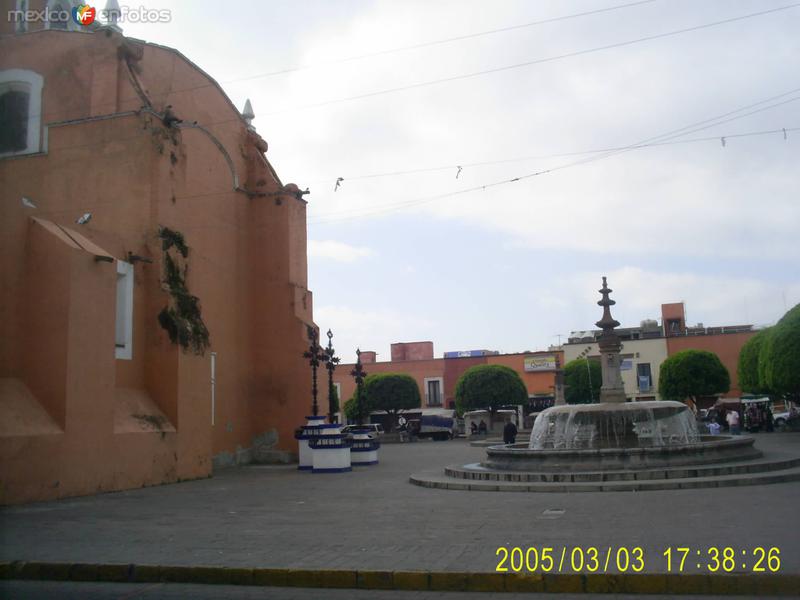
(392, 392)
(489, 387)
(692, 373)
(583, 379)
(779, 359)
(747, 367)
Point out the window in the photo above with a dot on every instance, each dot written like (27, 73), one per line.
(22, 24)
(14, 103)
(433, 391)
(124, 322)
(20, 111)
(643, 376)
(58, 15)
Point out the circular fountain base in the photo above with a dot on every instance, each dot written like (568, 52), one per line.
(710, 449)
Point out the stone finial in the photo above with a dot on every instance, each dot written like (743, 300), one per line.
(607, 323)
(112, 13)
(248, 115)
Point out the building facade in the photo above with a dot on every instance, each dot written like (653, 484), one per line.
(138, 212)
(644, 348)
(437, 377)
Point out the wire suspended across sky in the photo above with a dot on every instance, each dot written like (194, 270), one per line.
(449, 40)
(534, 62)
(652, 141)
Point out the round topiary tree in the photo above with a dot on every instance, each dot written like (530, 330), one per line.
(747, 367)
(583, 379)
(392, 392)
(489, 387)
(779, 359)
(692, 373)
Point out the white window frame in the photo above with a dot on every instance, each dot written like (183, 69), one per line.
(441, 390)
(34, 83)
(124, 303)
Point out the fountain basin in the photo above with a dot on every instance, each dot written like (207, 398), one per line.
(709, 449)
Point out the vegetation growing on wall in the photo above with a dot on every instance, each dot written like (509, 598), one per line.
(181, 319)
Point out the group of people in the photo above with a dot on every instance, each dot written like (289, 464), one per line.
(509, 431)
(478, 429)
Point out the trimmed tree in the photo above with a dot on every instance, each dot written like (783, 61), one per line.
(351, 407)
(692, 373)
(489, 387)
(391, 393)
(583, 379)
(747, 367)
(333, 392)
(779, 359)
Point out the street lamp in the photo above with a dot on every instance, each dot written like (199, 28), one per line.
(315, 355)
(358, 374)
(330, 363)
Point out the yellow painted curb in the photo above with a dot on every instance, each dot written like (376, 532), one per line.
(631, 583)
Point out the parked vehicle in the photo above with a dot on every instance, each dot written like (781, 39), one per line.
(437, 427)
(375, 428)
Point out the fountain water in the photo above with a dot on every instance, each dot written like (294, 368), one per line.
(610, 444)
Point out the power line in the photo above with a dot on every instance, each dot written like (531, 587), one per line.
(532, 62)
(379, 53)
(442, 41)
(716, 138)
(692, 128)
(644, 143)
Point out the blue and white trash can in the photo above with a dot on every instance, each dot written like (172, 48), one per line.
(330, 450)
(303, 435)
(364, 451)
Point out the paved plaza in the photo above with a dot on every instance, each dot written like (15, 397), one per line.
(373, 519)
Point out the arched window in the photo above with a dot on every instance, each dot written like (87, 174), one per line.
(20, 112)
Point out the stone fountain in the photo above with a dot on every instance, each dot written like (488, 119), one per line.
(614, 444)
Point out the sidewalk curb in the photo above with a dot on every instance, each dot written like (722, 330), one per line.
(610, 583)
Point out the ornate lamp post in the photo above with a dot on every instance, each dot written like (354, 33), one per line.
(330, 363)
(315, 355)
(364, 450)
(358, 374)
(308, 433)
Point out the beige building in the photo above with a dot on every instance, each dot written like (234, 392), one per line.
(641, 361)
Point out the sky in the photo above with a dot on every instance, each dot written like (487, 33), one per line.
(630, 153)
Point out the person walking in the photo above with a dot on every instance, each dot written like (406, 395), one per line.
(733, 421)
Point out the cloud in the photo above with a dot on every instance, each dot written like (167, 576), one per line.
(337, 251)
(370, 329)
(712, 300)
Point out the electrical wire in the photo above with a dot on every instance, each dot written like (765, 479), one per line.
(113, 103)
(643, 143)
(530, 62)
(440, 42)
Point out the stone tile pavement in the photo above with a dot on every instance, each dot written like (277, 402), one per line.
(374, 519)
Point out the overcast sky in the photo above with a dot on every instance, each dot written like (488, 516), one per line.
(713, 223)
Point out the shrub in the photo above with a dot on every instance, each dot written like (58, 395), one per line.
(692, 373)
(489, 387)
(583, 379)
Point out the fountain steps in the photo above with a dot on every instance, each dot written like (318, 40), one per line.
(477, 472)
(777, 469)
